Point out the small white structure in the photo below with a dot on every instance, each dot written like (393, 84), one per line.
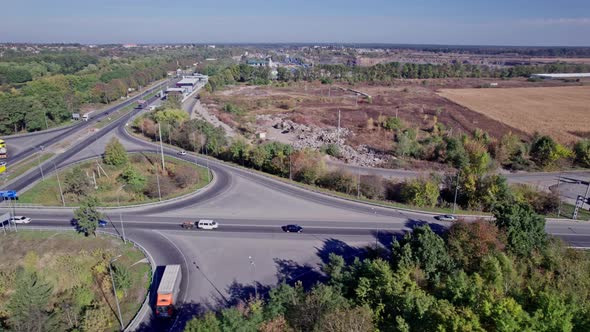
(261, 135)
(75, 116)
(494, 84)
(561, 76)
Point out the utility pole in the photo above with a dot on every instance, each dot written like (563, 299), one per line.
(39, 164)
(456, 192)
(558, 195)
(120, 214)
(358, 183)
(253, 268)
(158, 182)
(161, 146)
(338, 132)
(115, 292)
(61, 193)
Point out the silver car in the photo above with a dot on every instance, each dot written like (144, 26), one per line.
(446, 217)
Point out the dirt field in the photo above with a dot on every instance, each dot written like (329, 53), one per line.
(562, 112)
(414, 101)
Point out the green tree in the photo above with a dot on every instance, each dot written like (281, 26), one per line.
(28, 304)
(133, 178)
(122, 278)
(582, 153)
(76, 182)
(87, 216)
(420, 192)
(209, 323)
(544, 151)
(115, 153)
(525, 230)
(425, 249)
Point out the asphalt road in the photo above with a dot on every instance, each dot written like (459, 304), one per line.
(25, 145)
(250, 207)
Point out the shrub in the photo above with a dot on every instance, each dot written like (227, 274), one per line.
(372, 187)
(115, 153)
(331, 149)
(166, 186)
(233, 109)
(185, 176)
(392, 123)
(133, 179)
(582, 153)
(338, 181)
(420, 192)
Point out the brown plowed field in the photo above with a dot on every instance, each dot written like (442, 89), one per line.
(562, 112)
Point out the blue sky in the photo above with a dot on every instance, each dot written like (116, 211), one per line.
(481, 22)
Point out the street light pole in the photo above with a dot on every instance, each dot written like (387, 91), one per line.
(63, 201)
(120, 214)
(253, 269)
(115, 292)
(456, 192)
(39, 164)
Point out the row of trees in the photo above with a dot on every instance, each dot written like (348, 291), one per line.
(472, 157)
(502, 276)
(378, 73)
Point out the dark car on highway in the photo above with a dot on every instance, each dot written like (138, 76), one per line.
(292, 228)
(103, 223)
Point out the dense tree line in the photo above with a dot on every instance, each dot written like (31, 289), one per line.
(221, 76)
(55, 90)
(480, 276)
(472, 157)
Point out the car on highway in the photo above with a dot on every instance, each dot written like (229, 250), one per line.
(446, 217)
(20, 220)
(103, 223)
(207, 224)
(292, 228)
(182, 153)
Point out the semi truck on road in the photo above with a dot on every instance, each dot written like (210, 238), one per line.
(168, 290)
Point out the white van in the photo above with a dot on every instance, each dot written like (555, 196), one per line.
(207, 224)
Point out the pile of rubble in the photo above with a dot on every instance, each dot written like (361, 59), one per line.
(304, 136)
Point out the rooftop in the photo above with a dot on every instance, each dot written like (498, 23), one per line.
(188, 80)
(562, 75)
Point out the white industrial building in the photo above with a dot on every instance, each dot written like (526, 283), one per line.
(561, 76)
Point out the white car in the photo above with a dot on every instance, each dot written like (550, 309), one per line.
(20, 220)
(207, 224)
(447, 217)
(182, 152)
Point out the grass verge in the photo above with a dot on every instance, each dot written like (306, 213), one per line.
(47, 192)
(27, 164)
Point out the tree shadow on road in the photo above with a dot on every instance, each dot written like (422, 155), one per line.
(184, 313)
(437, 228)
(240, 293)
(340, 248)
(290, 272)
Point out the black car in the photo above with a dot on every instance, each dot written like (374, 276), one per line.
(292, 228)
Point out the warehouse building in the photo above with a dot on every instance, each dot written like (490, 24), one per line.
(561, 76)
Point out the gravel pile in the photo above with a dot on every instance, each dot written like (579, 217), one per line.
(304, 136)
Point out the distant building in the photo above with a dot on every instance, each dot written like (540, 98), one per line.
(261, 135)
(188, 83)
(75, 116)
(261, 62)
(561, 76)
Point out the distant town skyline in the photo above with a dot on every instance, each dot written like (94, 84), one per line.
(452, 22)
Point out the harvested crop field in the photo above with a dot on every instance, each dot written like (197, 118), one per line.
(562, 112)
